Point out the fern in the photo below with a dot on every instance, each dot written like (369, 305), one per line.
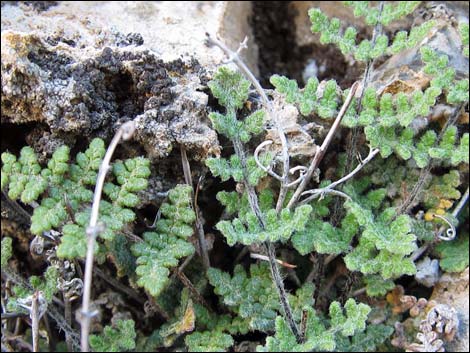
(383, 245)
(454, 254)
(63, 185)
(120, 338)
(7, 250)
(254, 298)
(162, 249)
(319, 336)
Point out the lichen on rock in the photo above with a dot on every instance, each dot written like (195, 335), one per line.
(80, 93)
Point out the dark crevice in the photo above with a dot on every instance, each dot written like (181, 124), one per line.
(13, 136)
(274, 32)
(274, 29)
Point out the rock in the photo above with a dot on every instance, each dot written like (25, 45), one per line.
(80, 69)
(452, 289)
(427, 272)
(404, 72)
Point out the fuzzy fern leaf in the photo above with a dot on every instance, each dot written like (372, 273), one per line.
(376, 286)
(324, 238)
(366, 341)
(324, 103)
(132, 176)
(69, 188)
(421, 153)
(73, 242)
(208, 341)
(317, 336)
(389, 14)
(458, 92)
(248, 231)
(354, 320)
(230, 88)
(403, 40)
(448, 151)
(47, 284)
(383, 246)
(7, 250)
(454, 254)
(330, 30)
(23, 176)
(442, 187)
(163, 249)
(253, 298)
(463, 29)
(118, 339)
(48, 215)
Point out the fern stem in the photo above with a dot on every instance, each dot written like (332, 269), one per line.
(252, 197)
(124, 132)
(365, 82)
(193, 290)
(198, 224)
(282, 292)
(277, 278)
(235, 58)
(68, 319)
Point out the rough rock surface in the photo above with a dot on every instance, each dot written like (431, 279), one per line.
(452, 289)
(80, 69)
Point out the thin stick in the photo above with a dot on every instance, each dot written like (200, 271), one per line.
(322, 150)
(198, 225)
(157, 308)
(68, 319)
(183, 265)
(461, 204)
(35, 321)
(358, 292)
(188, 284)
(124, 132)
(303, 324)
(265, 258)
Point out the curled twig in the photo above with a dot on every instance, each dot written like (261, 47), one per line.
(303, 170)
(450, 232)
(268, 170)
(330, 188)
